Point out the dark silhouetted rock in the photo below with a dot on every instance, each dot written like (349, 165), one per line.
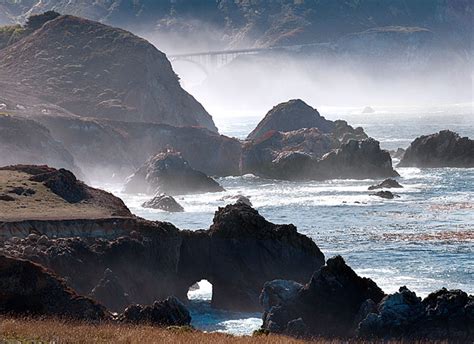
(244, 200)
(246, 251)
(386, 184)
(6, 198)
(385, 194)
(171, 174)
(357, 160)
(110, 293)
(29, 289)
(446, 315)
(64, 184)
(344, 132)
(292, 115)
(169, 312)
(164, 202)
(443, 149)
(328, 304)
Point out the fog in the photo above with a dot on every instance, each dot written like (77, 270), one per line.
(381, 74)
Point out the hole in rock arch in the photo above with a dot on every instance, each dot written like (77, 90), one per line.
(201, 290)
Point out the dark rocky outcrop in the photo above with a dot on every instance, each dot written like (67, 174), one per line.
(169, 312)
(64, 184)
(292, 115)
(88, 78)
(274, 154)
(328, 304)
(164, 202)
(443, 149)
(110, 293)
(384, 194)
(386, 184)
(153, 260)
(358, 160)
(442, 315)
(29, 289)
(397, 154)
(171, 174)
(246, 251)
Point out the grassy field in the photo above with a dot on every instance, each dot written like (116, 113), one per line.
(33, 331)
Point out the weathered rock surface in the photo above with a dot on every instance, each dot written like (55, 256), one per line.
(164, 202)
(358, 160)
(169, 312)
(153, 260)
(443, 149)
(442, 315)
(386, 184)
(171, 174)
(120, 147)
(88, 78)
(24, 141)
(273, 155)
(292, 115)
(327, 305)
(384, 194)
(110, 293)
(29, 289)
(246, 251)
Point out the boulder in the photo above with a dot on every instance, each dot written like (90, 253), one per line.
(64, 184)
(385, 194)
(386, 184)
(443, 149)
(446, 315)
(164, 202)
(169, 312)
(328, 304)
(170, 173)
(110, 293)
(292, 115)
(29, 289)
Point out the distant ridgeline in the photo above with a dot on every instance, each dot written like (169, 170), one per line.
(265, 23)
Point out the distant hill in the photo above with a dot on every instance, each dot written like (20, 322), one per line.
(94, 70)
(264, 23)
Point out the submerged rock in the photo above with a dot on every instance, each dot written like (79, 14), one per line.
(443, 149)
(164, 202)
(292, 115)
(169, 312)
(385, 194)
(386, 184)
(170, 173)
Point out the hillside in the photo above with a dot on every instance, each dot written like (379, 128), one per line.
(263, 23)
(94, 70)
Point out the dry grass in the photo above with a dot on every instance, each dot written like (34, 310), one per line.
(44, 204)
(15, 330)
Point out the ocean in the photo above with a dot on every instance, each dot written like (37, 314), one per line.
(423, 240)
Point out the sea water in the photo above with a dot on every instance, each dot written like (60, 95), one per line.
(423, 240)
